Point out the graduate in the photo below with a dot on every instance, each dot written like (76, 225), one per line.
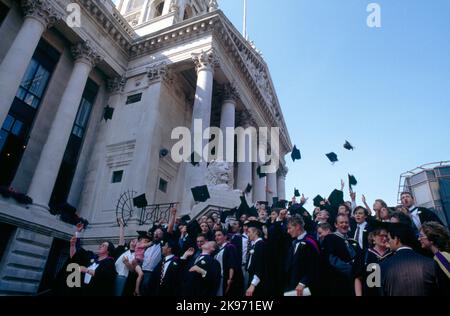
(227, 256)
(256, 265)
(303, 262)
(377, 252)
(203, 278)
(169, 270)
(339, 253)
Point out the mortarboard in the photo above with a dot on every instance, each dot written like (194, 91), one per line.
(248, 189)
(332, 157)
(336, 198)
(185, 218)
(195, 159)
(108, 113)
(317, 200)
(274, 201)
(296, 192)
(348, 146)
(295, 155)
(144, 234)
(260, 174)
(201, 193)
(351, 181)
(140, 201)
(255, 224)
(281, 204)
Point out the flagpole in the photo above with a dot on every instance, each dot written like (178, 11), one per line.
(244, 33)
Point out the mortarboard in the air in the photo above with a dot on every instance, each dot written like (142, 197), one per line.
(260, 174)
(336, 198)
(248, 189)
(351, 181)
(348, 146)
(201, 193)
(195, 159)
(296, 193)
(108, 113)
(140, 201)
(295, 155)
(332, 157)
(317, 200)
(143, 234)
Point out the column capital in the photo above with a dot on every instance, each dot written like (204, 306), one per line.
(230, 93)
(116, 84)
(40, 10)
(158, 72)
(283, 171)
(84, 52)
(212, 5)
(205, 60)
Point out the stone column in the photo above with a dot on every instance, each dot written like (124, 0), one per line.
(244, 146)
(39, 15)
(144, 12)
(205, 63)
(52, 154)
(228, 117)
(272, 187)
(259, 185)
(281, 179)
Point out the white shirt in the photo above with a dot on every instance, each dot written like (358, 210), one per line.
(166, 264)
(403, 248)
(361, 227)
(219, 257)
(255, 280)
(121, 268)
(87, 276)
(152, 257)
(299, 238)
(244, 248)
(413, 211)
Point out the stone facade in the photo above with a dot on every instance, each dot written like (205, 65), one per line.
(159, 65)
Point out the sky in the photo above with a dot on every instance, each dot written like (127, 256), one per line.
(386, 90)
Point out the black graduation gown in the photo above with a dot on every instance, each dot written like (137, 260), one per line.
(365, 233)
(304, 266)
(443, 279)
(427, 215)
(196, 285)
(169, 285)
(407, 273)
(277, 246)
(231, 261)
(257, 267)
(339, 265)
(102, 283)
(236, 240)
(362, 261)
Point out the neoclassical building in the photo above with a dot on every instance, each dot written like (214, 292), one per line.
(88, 112)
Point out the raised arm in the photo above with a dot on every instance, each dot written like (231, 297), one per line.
(363, 198)
(173, 212)
(121, 232)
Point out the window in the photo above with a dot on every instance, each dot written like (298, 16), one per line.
(162, 185)
(159, 9)
(15, 130)
(117, 176)
(134, 98)
(187, 12)
(69, 163)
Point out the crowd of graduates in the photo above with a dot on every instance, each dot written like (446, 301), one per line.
(339, 249)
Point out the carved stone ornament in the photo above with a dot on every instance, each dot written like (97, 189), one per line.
(206, 60)
(116, 84)
(41, 10)
(84, 51)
